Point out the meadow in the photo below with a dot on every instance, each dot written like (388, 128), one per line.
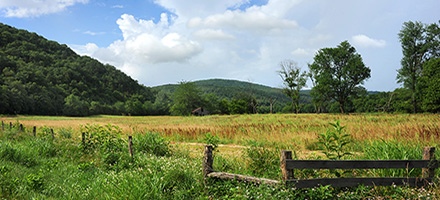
(168, 152)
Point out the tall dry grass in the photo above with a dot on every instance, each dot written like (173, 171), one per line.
(298, 129)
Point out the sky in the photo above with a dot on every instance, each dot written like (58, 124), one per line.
(167, 41)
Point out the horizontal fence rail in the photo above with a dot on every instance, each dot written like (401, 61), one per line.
(428, 165)
(357, 181)
(360, 164)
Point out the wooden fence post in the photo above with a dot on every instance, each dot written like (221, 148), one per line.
(429, 154)
(34, 131)
(130, 145)
(286, 173)
(21, 127)
(207, 161)
(10, 125)
(53, 136)
(3, 126)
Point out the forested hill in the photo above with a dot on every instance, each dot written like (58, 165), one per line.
(230, 89)
(42, 77)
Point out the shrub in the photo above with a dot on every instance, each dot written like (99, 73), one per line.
(334, 142)
(263, 161)
(153, 143)
(213, 140)
(104, 138)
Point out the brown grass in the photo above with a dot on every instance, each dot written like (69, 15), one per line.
(298, 129)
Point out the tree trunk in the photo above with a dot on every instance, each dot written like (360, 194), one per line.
(341, 106)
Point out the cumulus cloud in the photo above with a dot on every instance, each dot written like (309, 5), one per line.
(32, 8)
(211, 34)
(93, 33)
(365, 41)
(145, 42)
(118, 6)
(251, 19)
(200, 8)
(300, 52)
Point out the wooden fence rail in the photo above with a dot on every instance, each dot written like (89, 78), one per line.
(428, 166)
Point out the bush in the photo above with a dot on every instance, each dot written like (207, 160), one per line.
(263, 161)
(104, 138)
(152, 143)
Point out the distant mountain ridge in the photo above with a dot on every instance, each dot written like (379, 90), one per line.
(229, 89)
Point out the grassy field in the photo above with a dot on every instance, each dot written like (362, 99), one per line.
(277, 128)
(168, 153)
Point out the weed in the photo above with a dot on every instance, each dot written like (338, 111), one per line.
(104, 138)
(213, 140)
(65, 132)
(153, 143)
(35, 181)
(262, 161)
(334, 142)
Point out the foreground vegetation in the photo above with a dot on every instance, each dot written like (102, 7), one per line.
(166, 166)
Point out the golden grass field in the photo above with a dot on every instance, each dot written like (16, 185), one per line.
(299, 130)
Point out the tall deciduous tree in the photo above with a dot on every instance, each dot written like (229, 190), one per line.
(420, 42)
(186, 98)
(430, 85)
(339, 72)
(294, 80)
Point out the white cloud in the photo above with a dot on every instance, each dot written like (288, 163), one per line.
(251, 19)
(85, 49)
(320, 38)
(118, 6)
(300, 52)
(211, 34)
(365, 41)
(93, 33)
(198, 8)
(33, 8)
(144, 43)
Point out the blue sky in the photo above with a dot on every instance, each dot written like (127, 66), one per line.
(166, 41)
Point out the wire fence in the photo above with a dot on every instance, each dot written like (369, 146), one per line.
(239, 154)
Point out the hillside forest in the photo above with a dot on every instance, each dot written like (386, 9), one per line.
(42, 77)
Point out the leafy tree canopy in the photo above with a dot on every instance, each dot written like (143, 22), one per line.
(339, 72)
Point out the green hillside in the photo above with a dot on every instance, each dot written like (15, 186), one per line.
(46, 78)
(230, 89)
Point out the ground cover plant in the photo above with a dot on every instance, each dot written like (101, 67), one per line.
(167, 163)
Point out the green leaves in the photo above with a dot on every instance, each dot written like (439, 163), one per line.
(338, 72)
(105, 138)
(419, 44)
(294, 81)
(334, 142)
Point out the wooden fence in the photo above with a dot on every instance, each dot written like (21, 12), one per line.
(428, 166)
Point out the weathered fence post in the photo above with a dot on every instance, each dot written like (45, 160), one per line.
(34, 131)
(3, 126)
(10, 125)
(286, 173)
(21, 127)
(53, 136)
(130, 145)
(429, 154)
(207, 161)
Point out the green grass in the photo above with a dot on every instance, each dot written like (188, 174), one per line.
(61, 168)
